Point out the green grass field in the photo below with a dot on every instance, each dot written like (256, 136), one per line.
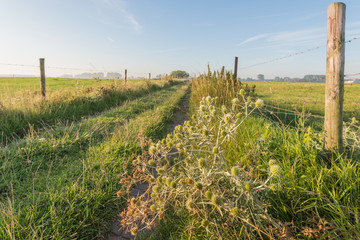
(30, 112)
(17, 85)
(61, 182)
(311, 96)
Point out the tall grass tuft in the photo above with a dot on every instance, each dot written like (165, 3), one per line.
(221, 84)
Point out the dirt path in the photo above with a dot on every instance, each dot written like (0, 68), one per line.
(117, 232)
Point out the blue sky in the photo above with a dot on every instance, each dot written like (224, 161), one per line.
(159, 36)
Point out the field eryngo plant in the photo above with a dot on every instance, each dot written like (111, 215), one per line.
(187, 172)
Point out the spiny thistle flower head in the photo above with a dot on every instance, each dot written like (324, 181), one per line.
(227, 118)
(168, 181)
(235, 101)
(235, 211)
(235, 171)
(173, 184)
(208, 195)
(134, 231)
(248, 186)
(275, 170)
(202, 108)
(198, 186)
(153, 207)
(159, 179)
(238, 115)
(151, 162)
(241, 92)
(189, 204)
(189, 181)
(272, 162)
(273, 187)
(201, 163)
(208, 99)
(215, 200)
(160, 171)
(152, 150)
(259, 103)
(155, 189)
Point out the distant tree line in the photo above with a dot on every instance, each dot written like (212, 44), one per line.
(179, 74)
(100, 75)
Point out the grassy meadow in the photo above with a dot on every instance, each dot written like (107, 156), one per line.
(305, 96)
(29, 112)
(16, 86)
(61, 181)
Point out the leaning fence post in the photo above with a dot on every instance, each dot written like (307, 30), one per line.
(42, 77)
(334, 90)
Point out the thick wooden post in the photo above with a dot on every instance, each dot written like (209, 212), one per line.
(149, 76)
(334, 90)
(125, 76)
(42, 77)
(235, 69)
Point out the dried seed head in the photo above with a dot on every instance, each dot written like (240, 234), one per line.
(119, 194)
(133, 201)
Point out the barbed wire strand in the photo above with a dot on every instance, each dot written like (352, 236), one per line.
(294, 54)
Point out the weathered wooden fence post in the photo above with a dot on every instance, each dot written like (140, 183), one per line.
(125, 76)
(334, 90)
(235, 69)
(42, 77)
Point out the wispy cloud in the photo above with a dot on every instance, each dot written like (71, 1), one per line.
(254, 38)
(170, 50)
(120, 6)
(110, 39)
(288, 38)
